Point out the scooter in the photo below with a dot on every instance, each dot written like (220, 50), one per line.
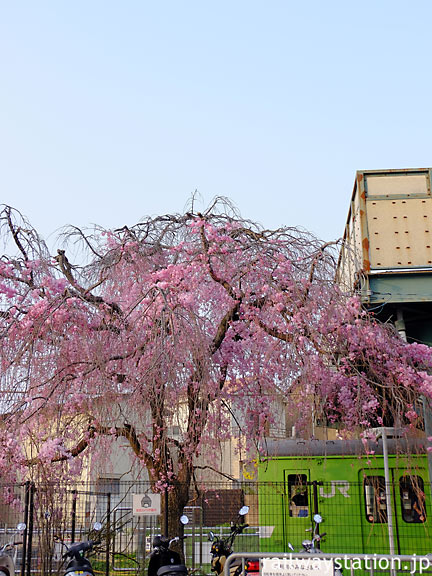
(163, 560)
(221, 548)
(8, 553)
(312, 546)
(78, 564)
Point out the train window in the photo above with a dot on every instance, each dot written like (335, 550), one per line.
(375, 499)
(412, 499)
(298, 495)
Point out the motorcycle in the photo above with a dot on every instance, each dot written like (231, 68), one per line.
(313, 546)
(163, 560)
(8, 553)
(78, 564)
(221, 548)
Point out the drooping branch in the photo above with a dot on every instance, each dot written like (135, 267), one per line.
(213, 274)
(315, 261)
(272, 331)
(222, 474)
(85, 293)
(67, 454)
(126, 431)
(223, 327)
(15, 233)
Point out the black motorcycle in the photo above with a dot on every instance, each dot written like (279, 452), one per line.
(221, 548)
(163, 560)
(78, 564)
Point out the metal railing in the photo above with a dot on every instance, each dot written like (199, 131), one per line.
(325, 564)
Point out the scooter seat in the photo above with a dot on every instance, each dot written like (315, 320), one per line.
(175, 569)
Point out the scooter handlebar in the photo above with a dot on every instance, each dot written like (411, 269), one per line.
(177, 539)
(75, 549)
(238, 528)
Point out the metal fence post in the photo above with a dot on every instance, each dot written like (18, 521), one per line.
(74, 506)
(166, 512)
(315, 485)
(32, 490)
(26, 516)
(108, 539)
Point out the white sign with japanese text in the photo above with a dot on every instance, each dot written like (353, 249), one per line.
(146, 504)
(297, 567)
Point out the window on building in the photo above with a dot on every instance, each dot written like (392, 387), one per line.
(105, 486)
(298, 495)
(108, 485)
(412, 499)
(375, 499)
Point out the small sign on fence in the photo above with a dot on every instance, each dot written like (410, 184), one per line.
(146, 504)
(297, 567)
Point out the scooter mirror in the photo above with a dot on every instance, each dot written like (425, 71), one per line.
(21, 527)
(184, 519)
(97, 526)
(211, 536)
(317, 518)
(243, 510)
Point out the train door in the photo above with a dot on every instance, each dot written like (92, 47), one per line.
(373, 511)
(412, 510)
(297, 506)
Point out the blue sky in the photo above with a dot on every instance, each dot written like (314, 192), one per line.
(110, 111)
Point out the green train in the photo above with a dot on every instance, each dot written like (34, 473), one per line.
(347, 488)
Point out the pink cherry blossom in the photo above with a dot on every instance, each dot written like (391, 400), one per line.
(203, 323)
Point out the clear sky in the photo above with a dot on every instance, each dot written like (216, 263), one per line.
(112, 110)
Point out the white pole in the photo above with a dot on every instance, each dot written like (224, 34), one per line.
(388, 491)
